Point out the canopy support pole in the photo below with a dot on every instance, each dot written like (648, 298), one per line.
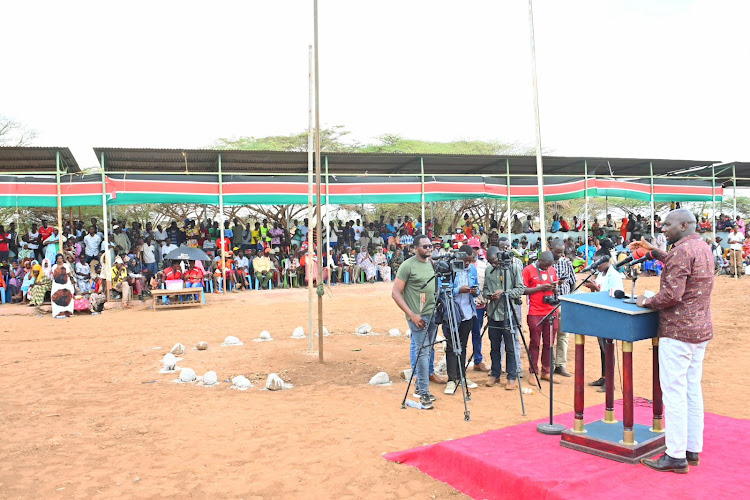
(421, 164)
(221, 228)
(539, 165)
(713, 203)
(59, 199)
(328, 224)
(507, 197)
(310, 153)
(734, 182)
(653, 210)
(106, 264)
(317, 182)
(586, 211)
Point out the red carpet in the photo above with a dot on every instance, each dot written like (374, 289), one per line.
(518, 462)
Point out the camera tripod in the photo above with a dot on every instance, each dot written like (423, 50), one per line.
(444, 299)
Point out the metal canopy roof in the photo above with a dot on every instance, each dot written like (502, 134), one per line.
(267, 162)
(36, 159)
(724, 173)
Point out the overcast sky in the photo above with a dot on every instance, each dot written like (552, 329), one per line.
(641, 78)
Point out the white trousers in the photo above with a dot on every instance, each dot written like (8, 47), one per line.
(680, 372)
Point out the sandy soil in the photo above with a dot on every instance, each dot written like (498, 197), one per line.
(84, 411)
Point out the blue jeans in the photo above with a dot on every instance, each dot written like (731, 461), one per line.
(476, 335)
(194, 285)
(425, 365)
(152, 268)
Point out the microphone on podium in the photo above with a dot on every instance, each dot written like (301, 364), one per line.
(596, 264)
(633, 261)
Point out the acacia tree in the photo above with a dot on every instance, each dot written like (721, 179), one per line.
(15, 133)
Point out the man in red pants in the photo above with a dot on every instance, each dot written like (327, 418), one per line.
(540, 280)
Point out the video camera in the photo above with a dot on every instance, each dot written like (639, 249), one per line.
(552, 300)
(451, 263)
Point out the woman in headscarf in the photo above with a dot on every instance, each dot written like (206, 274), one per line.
(15, 278)
(364, 261)
(83, 275)
(381, 262)
(62, 290)
(28, 278)
(39, 288)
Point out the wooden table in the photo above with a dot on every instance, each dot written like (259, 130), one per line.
(186, 296)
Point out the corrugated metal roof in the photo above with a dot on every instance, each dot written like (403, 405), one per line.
(36, 159)
(267, 162)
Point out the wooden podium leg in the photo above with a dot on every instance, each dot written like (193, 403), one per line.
(628, 435)
(658, 404)
(609, 376)
(579, 383)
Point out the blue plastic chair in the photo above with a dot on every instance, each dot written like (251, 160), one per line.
(270, 284)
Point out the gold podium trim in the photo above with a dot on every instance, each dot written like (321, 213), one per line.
(609, 417)
(578, 426)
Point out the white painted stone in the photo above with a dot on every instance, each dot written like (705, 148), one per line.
(364, 329)
(265, 335)
(394, 332)
(274, 382)
(210, 378)
(170, 361)
(298, 333)
(232, 340)
(407, 334)
(201, 346)
(187, 375)
(241, 382)
(178, 349)
(380, 378)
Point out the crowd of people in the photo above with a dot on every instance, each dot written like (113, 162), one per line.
(260, 255)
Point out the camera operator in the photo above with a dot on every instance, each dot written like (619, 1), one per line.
(505, 276)
(416, 297)
(503, 244)
(608, 279)
(465, 288)
(540, 280)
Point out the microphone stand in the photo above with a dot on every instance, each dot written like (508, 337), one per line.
(551, 428)
(634, 276)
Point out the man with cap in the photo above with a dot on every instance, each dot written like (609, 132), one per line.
(262, 268)
(540, 280)
(735, 240)
(120, 281)
(241, 268)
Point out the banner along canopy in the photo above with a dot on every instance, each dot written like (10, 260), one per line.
(132, 189)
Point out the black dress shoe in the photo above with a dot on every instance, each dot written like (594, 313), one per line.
(597, 383)
(560, 370)
(665, 463)
(692, 458)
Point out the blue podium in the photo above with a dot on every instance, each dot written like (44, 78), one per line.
(599, 315)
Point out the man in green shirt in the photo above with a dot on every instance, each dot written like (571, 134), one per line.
(502, 277)
(414, 293)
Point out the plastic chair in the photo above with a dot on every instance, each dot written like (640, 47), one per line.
(257, 284)
(3, 295)
(346, 277)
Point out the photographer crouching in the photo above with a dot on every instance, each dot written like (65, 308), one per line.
(540, 280)
(504, 277)
(465, 288)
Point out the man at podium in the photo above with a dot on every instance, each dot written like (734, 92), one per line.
(685, 327)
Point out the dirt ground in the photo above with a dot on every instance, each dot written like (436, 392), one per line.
(85, 413)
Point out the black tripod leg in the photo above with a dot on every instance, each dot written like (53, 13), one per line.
(427, 343)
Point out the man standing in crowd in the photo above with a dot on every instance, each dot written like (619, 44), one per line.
(414, 293)
(567, 277)
(4, 244)
(735, 240)
(685, 327)
(480, 302)
(540, 280)
(502, 278)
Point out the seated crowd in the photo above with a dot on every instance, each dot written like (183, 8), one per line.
(259, 255)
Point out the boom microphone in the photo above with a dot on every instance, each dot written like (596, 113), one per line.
(596, 264)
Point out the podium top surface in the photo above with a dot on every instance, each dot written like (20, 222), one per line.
(602, 300)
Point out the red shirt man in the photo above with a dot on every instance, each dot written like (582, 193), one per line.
(193, 275)
(46, 232)
(173, 273)
(540, 281)
(224, 244)
(564, 225)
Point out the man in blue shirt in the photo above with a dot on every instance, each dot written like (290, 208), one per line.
(588, 255)
(465, 288)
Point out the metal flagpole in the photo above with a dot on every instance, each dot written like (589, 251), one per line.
(421, 163)
(651, 167)
(309, 259)
(317, 183)
(221, 228)
(539, 165)
(734, 181)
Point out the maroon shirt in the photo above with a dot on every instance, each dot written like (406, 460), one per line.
(684, 301)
